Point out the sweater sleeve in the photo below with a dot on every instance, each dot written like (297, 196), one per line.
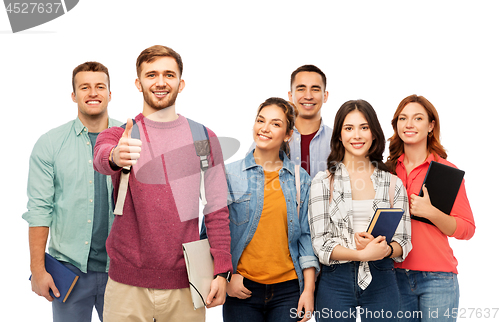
(216, 212)
(463, 215)
(106, 140)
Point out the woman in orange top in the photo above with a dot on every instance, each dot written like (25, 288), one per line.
(271, 246)
(427, 278)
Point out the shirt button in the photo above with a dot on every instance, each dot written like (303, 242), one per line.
(88, 143)
(90, 181)
(90, 200)
(297, 158)
(86, 243)
(90, 161)
(89, 221)
(85, 129)
(297, 139)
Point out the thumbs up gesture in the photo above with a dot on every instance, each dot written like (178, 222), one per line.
(128, 150)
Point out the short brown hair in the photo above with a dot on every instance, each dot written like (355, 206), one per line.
(152, 53)
(90, 66)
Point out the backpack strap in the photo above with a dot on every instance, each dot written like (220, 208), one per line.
(202, 147)
(297, 187)
(392, 189)
(123, 187)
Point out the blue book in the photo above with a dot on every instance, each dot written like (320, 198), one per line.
(63, 277)
(384, 222)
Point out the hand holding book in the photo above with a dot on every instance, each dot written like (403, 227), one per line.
(375, 249)
(43, 284)
(423, 209)
(362, 239)
(56, 274)
(422, 206)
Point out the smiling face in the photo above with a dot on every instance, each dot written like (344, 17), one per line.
(91, 93)
(270, 128)
(413, 124)
(356, 135)
(308, 94)
(159, 82)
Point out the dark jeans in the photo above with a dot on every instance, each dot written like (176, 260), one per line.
(272, 303)
(338, 293)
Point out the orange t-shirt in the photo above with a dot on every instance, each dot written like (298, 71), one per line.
(266, 259)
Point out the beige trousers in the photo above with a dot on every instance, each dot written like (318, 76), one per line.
(125, 303)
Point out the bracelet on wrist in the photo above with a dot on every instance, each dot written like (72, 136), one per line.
(392, 251)
(112, 157)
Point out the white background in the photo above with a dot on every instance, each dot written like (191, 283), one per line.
(238, 54)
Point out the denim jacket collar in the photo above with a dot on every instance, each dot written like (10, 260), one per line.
(287, 164)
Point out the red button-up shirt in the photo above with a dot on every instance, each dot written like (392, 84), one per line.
(431, 251)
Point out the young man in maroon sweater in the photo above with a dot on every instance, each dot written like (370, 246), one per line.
(147, 275)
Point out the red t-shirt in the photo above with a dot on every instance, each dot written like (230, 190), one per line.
(305, 141)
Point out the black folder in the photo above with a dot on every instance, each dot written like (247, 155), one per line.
(443, 183)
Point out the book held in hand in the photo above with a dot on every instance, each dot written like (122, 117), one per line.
(63, 277)
(384, 222)
(200, 269)
(443, 183)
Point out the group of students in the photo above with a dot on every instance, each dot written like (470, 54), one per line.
(412, 277)
(286, 247)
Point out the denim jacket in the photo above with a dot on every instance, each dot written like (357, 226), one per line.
(245, 180)
(319, 148)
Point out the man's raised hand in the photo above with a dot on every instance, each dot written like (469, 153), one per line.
(128, 150)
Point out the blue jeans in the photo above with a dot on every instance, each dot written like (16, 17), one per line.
(272, 303)
(428, 296)
(87, 293)
(338, 293)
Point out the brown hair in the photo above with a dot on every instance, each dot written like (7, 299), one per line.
(152, 53)
(290, 117)
(396, 145)
(377, 148)
(90, 66)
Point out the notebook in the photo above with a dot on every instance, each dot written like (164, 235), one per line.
(384, 222)
(63, 277)
(443, 183)
(200, 269)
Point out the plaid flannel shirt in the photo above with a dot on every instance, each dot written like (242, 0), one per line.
(331, 223)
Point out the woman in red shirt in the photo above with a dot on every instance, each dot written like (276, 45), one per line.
(427, 278)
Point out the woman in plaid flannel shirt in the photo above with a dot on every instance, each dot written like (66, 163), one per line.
(358, 268)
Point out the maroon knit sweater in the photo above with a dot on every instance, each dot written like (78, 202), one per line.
(162, 205)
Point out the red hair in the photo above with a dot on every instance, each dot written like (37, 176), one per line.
(396, 145)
